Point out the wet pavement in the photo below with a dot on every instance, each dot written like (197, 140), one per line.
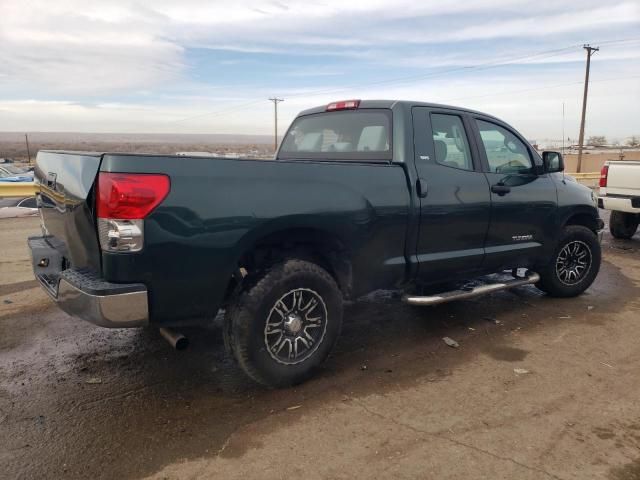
(538, 388)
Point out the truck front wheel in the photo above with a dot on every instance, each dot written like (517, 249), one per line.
(574, 265)
(284, 323)
(623, 224)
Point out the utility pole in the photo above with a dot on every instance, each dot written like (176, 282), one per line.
(26, 140)
(276, 101)
(590, 51)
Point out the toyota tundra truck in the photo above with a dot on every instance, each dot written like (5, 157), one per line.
(361, 195)
(620, 193)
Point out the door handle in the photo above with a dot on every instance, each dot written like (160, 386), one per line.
(501, 190)
(421, 187)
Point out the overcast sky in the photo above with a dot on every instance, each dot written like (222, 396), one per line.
(208, 66)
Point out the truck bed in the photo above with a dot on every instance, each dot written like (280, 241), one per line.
(219, 208)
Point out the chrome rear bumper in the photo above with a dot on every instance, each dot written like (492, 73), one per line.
(116, 310)
(84, 295)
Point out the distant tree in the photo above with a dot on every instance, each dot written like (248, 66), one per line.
(597, 141)
(634, 141)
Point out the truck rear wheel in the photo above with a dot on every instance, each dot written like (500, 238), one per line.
(574, 265)
(283, 324)
(623, 224)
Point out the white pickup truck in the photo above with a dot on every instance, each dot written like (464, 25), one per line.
(620, 193)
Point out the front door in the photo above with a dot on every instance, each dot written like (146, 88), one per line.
(523, 199)
(453, 193)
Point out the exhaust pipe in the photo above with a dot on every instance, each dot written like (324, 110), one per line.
(176, 339)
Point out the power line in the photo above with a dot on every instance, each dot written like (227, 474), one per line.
(545, 87)
(622, 40)
(492, 64)
(481, 66)
(218, 112)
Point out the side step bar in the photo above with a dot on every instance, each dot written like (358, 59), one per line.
(528, 279)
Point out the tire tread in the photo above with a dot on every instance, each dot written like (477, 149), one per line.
(255, 288)
(549, 282)
(623, 225)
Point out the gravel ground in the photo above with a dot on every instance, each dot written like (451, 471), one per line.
(539, 388)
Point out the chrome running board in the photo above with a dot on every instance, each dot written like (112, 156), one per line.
(528, 279)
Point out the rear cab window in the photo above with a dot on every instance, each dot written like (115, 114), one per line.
(358, 135)
(450, 141)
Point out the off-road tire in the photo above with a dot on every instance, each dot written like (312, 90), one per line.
(623, 224)
(550, 281)
(247, 315)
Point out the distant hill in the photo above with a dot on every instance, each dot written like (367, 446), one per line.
(12, 144)
(148, 138)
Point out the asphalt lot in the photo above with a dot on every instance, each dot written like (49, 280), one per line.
(539, 388)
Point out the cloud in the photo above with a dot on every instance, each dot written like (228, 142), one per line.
(533, 105)
(128, 64)
(552, 24)
(66, 52)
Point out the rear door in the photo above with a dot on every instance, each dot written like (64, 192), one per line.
(523, 200)
(454, 195)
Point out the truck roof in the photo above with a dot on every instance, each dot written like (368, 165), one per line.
(393, 103)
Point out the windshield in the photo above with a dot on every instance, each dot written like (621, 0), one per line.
(344, 135)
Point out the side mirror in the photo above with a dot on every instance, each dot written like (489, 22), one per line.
(553, 161)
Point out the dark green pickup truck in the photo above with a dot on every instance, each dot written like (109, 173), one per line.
(362, 195)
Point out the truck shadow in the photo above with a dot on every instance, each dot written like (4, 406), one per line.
(127, 395)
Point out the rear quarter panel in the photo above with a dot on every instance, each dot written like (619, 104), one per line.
(219, 208)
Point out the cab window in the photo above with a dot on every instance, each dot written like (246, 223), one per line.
(506, 153)
(450, 141)
(344, 135)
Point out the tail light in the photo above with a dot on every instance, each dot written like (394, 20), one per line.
(343, 105)
(123, 202)
(603, 175)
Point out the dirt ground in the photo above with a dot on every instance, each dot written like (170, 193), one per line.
(539, 388)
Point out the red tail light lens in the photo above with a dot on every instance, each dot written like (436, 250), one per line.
(603, 175)
(130, 195)
(343, 105)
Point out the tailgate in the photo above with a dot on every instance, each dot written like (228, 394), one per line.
(66, 201)
(624, 178)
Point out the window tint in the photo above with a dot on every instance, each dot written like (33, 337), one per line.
(505, 152)
(450, 141)
(351, 135)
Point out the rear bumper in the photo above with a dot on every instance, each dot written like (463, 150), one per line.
(112, 310)
(84, 295)
(621, 203)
